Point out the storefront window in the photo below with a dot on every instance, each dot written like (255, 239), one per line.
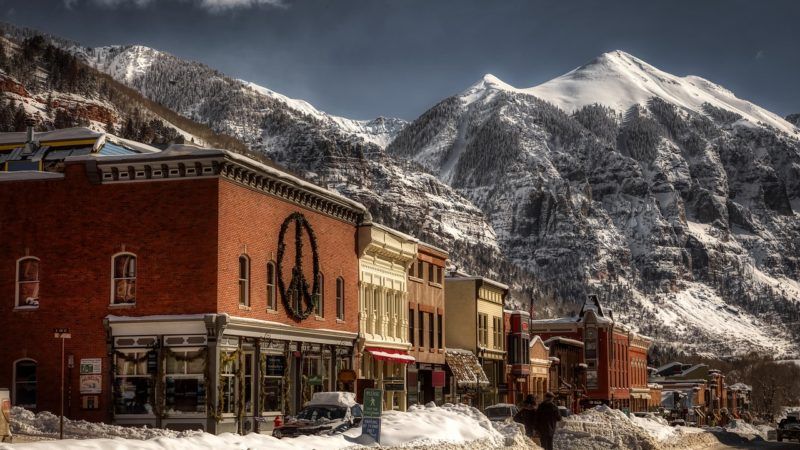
(133, 382)
(272, 383)
(316, 373)
(228, 381)
(185, 387)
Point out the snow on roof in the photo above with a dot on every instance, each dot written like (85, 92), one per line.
(564, 340)
(62, 134)
(459, 276)
(29, 175)
(343, 399)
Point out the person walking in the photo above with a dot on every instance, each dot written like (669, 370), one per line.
(547, 415)
(527, 414)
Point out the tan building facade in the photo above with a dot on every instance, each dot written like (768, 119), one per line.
(384, 258)
(539, 379)
(475, 315)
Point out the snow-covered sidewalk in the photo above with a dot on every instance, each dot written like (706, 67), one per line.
(451, 427)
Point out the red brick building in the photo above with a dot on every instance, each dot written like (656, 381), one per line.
(178, 275)
(612, 354)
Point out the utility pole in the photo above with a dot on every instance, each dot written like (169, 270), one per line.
(63, 334)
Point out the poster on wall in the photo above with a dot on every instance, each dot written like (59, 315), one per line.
(91, 384)
(91, 366)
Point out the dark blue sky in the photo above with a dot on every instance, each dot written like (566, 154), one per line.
(364, 58)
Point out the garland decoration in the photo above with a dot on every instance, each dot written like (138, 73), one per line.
(298, 288)
(225, 358)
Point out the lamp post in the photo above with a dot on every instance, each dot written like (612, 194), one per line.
(63, 334)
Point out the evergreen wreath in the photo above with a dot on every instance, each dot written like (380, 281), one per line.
(298, 280)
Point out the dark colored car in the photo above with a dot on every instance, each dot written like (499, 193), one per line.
(320, 419)
(789, 428)
(501, 412)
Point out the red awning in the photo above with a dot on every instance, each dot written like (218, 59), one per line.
(390, 354)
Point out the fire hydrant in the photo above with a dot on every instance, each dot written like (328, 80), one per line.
(278, 421)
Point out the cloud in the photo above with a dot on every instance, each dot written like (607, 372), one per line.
(760, 54)
(214, 6)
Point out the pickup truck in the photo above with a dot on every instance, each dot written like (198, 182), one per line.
(789, 428)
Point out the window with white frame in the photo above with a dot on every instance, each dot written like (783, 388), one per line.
(244, 280)
(340, 298)
(184, 381)
(228, 368)
(28, 282)
(134, 386)
(272, 298)
(124, 279)
(483, 332)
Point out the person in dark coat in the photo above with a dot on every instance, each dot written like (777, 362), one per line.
(527, 414)
(547, 415)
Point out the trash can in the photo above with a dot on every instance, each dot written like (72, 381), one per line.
(5, 415)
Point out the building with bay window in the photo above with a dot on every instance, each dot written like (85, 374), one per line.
(201, 288)
(383, 347)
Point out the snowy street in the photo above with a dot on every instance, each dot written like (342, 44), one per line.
(449, 427)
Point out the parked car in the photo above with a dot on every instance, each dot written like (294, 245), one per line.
(789, 428)
(501, 412)
(326, 413)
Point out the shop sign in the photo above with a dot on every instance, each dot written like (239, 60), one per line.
(394, 387)
(347, 375)
(91, 366)
(275, 366)
(438, 379)
(152, 363)
(91, 384)
(315, 381)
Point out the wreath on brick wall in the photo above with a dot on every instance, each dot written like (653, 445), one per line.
(297, 291)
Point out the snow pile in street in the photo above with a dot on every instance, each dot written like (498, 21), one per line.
(743, 428)
(449, 427)
(47, 424)
(603, 427)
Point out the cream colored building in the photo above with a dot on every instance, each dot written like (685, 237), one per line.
(384, 258)
(474, 309)
(539, 379)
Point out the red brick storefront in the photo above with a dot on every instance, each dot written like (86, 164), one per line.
(181, 222)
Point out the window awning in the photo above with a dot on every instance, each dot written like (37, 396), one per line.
(466, 368)
(392, 355)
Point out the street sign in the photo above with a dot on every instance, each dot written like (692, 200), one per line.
(373, 402)
(62, 333)
(373, 406)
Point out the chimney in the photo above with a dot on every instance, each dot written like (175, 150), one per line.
(30, 145)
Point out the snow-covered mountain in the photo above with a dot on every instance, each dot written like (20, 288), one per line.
(667, 194)
(343, 154)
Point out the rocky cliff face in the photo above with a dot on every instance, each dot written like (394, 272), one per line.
(684, 215)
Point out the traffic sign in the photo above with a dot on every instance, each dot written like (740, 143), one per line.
(373, 406)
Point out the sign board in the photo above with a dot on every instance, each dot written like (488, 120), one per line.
(347, 375)
(373, 402)
(275, 366)
(152, 363)
(91, 366)
(62, 333)
(90, 402)
(315, 381)
(394, 387)
(92, 384)
(373, 406)
(438, 378)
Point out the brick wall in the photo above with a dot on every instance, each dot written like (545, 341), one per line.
(74, 228)
(249, 222)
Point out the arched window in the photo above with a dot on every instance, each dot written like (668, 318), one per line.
(28, 282)
(123, 282)
(319, 304)
(271, 297)
(25, 383)
(244, 280)
(340, 298)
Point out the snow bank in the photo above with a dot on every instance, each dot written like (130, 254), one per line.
(47, 424)
(603, 428)
(452, 427)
